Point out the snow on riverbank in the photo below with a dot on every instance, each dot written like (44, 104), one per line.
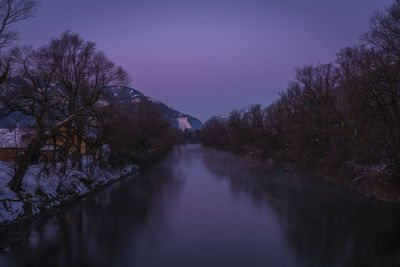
(43, 188)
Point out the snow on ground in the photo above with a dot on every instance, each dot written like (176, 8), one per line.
(183, 123)
(43, 187)
(12, 206)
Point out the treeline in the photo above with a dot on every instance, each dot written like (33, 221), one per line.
(137, 133)
(58, 92)
(331, 115)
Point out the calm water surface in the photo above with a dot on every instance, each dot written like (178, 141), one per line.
(204, 208)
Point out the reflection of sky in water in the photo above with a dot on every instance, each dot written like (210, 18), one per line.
(207, 208)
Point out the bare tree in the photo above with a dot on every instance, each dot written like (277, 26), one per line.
(137, 132)
(385, 30)
(11, 11)
(60, 84)
(371, 71)
(331, 114)
(34, 95)
(82, 73)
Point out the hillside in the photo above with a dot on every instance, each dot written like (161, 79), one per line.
(126, 94)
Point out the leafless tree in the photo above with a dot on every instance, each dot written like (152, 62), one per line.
(60, 84)
(331, 113)
(82, 73)
(385, 31)
(371, 72)
(11, 11)
(137, 132)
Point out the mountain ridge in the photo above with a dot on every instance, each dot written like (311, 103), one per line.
(220, 118)
(178, 119)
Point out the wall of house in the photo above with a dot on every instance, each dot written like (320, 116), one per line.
(8, 154)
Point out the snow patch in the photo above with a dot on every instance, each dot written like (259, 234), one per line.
(103, 103)
(183, 123)
(43, 188)
(10, 205)
(73, 185)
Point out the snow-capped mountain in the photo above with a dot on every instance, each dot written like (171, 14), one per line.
(126, 94)
(221, 118)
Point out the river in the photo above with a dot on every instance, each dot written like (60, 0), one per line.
(201, 207)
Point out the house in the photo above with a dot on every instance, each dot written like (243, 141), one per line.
(16, 141)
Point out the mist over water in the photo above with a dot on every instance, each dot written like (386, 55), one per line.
(201, 207)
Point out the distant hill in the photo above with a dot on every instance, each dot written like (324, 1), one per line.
(126, 94)
(221, 118)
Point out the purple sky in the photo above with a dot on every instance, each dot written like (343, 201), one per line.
(208, 57)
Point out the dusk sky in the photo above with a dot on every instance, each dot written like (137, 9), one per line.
(206, 58)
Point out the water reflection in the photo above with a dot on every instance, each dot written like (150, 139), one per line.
(103, 228)
(201, 207)
(324, 224)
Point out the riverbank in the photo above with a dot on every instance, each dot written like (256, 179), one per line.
(44, 190)
(201, 207)
(371, 181)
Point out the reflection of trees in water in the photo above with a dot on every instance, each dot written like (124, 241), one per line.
(323, 224)
(105, 229)
(242, 174)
